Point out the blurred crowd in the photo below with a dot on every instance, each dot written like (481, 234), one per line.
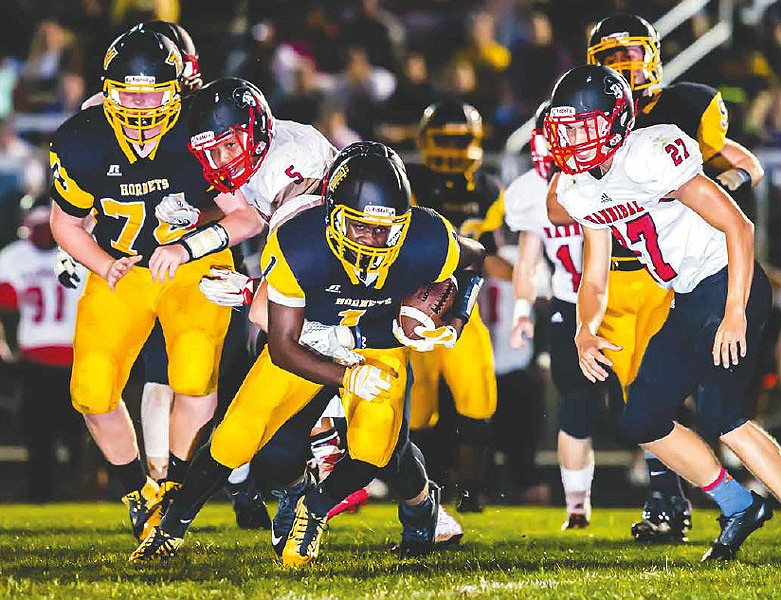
(362, 69)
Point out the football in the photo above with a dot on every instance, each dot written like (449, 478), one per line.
(427, 306)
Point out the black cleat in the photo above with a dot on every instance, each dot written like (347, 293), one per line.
(736, 528)
(286, 512)
(665, 519)
(418, 532)
(144, 508)
(158, 545)
(575, 521)
(468, 502)
(248, 505)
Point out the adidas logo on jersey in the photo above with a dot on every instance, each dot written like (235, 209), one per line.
(334, 289)
(557, 317)
(114, 171)
(605, 198)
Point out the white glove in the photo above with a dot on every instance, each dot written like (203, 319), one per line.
(176, 211)
(367, 382)
(65, 269)
(332, 341)
(227, 288)
(431, 337)
(732, 179)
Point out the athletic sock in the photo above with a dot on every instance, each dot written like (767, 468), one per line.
(239, 474)
(577, 488)
(731, 497)
(662, 479)
(131, 475)
(177, 468)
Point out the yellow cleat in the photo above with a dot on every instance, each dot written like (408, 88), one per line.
(144, 508)
(303, 544)
(158, 545)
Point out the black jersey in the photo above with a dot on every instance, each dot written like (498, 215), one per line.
(459, 199)
(302, 271)
(93, 171)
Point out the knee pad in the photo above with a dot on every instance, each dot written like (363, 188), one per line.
(476, 432)
(372, 433)
(193, 363)
(93, 385)
(234, 443)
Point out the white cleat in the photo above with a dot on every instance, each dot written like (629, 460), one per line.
(448, 531)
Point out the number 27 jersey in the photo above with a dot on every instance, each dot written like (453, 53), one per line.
(677, 246)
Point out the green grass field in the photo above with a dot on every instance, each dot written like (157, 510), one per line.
(80, 551)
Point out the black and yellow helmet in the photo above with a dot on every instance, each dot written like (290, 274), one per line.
(451, 137)
(367, 183)
(625, 31)
(142, 63)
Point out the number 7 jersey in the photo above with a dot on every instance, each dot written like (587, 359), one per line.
(675, 244)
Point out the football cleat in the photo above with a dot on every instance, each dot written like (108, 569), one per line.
(303, 543)
(418, 531)
(664, 520)
(248, 505)
(168, 491)
(144, 508)
(448, 531)
(575, 520)
(158, 545)
(350, 504)
(286, 512)
(468, 502)
(736, 528)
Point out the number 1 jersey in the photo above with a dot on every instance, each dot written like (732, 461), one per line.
(677, 246)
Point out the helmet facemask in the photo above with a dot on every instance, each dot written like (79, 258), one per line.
(541, 154)
(452, 149)
(358, 258)
(145, 124)
(237, 171)
(580, 142)
(644, 74)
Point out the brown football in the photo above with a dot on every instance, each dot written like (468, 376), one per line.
(432, 301)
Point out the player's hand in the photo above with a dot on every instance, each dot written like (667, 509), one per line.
(176, 211)
(472, 228)
(732, 179)
(165, 260)
(522, 332)
(332, 341)
(590, 355)
(65, 269)
(729, 346)
(119, 268)
(227, 288)
(368, 382)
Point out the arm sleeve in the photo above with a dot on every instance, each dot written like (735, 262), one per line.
(65, 190)
(453, 253)
(283, 287)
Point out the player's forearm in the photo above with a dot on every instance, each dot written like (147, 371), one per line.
(242, 224)
(740, 253)
(69, 233)
(288, 354)
(529, 253)
(556, 212)
(742, 158)
(591, 306)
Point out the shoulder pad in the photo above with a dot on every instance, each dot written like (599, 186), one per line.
(661, 158)
(523, 203)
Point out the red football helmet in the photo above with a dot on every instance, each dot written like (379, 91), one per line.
(538, 145)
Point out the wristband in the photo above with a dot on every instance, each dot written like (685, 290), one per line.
(745, 175)
(521, 310)
(204, 241)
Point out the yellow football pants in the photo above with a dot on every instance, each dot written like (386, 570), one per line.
(270, 396)
(112, 326)
(468, 370)
(637, 308)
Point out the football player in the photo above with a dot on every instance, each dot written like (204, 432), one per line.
(648, 190)
(451, 182)
(638, 307)
(118, 162)
(525, 212)
(347, 263)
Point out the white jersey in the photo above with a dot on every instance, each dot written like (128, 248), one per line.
(525, 210)
(496, 308)
(677, 246)
(47, 309)
(291, 172)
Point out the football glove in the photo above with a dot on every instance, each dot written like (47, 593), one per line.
(176, 211)
(65, 269)
(445, 336)
(227, 288)
(367, 382)
(332, 341)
